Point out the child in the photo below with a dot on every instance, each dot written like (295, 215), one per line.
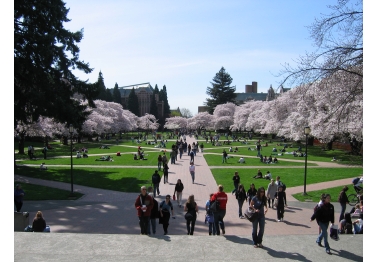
(209, 217)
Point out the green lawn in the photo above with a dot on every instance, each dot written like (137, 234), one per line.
(289, 176)
(316, 195)
(37, 192)
(216, 160)
(118, 179)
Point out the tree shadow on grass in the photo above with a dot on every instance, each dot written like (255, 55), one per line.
(92, 177)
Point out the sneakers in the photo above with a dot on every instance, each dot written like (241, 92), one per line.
(319, 244)
(279, 220)
(223, 231)
(328, 252)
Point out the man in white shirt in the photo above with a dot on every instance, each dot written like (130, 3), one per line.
(192, 171)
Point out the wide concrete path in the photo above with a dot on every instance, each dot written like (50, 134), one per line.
(103, 212)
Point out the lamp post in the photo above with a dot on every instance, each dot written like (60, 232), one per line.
(71, 156)
(307, 131)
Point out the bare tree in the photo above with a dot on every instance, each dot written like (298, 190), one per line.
(185, 112)
(339, 40)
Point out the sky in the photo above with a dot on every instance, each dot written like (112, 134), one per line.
(183, 44)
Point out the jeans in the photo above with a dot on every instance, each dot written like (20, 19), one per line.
(18, 205)
(212, 228)
(173, 160)
(165, 178)
(236, 185)
(324, 234)
(156, 189)
(224, 159)
(194, 151)
(153, 226)
(144, 221)
(191, 226)
(356, 228)
(159, 165)
(240, 203)
(166, 219)
(343, 209)
(192, 159)
(257, 238)
(218, 220)
(181, 153)
(178, 197)
(193, 176)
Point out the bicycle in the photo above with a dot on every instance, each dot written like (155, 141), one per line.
(355, 198)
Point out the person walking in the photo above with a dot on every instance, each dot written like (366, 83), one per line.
(241, 196)
(189, 149)
(224, 156)
(192, 155)
(165, 208)
(180, 150)
(258, 204)
(252, 191)
(154, 214)
(192, 171)
(191, 208)
(221, 197)
(270, 192)
(343, 200)
(324, 215)
(144, 204)
(18, 197)
(281, 197)
(172, 156)
(165, 173)
(160, 162)
(156, 179)
(236, 179)
(179, 191)
(210, 217)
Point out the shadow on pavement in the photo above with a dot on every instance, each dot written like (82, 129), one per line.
(295, 224)
(239, 240)
(285, 255)
(347, 255)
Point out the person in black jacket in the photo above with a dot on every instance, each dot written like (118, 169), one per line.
(236, 179)
(39, 224)
(343, 200)
(241, 196)
(281, 196)
(156, 179)
(324, 214)
(252, 191)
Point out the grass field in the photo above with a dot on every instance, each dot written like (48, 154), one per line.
(316, 195)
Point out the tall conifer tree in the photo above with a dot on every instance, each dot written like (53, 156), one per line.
(133, 102)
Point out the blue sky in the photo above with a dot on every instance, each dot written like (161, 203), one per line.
(183, 44)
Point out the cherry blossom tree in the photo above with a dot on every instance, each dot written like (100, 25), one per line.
(202, 119)
(148, 122)
(176, 122)
(223, 115)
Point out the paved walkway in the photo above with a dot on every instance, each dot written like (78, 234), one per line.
(112, 212)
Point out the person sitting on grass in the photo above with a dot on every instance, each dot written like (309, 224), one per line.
(135, 157)
(241, 160)
(104, 158)
(236, 149)
(268, 176)
(259, 174)
(118, 153)
(79, 154)
(274, 149)
(43, 167)
(85, 155)
(275, 160)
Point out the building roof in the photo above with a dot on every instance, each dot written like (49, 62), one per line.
(125, 90)
(250, 96)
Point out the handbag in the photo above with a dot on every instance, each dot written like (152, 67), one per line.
(250, 214)
(334, 232)
(173, 197)
(275, 203)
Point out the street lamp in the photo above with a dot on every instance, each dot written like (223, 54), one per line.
(71, 156)
(307, 131)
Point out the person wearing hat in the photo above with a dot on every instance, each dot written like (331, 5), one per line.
(18, 197)
(165, 208)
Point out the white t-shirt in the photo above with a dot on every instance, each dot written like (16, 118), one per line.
(241, 160)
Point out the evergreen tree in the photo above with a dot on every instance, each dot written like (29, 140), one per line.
(109, 97)
(153, 104)
(102, 88)
(163, 97)
(133, 102)
(116, 94)
(221, 92)
(44, 55)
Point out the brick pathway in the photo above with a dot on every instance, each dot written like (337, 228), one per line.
(111, 212)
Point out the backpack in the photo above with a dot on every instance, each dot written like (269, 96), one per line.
(214, 206)
(281, 184)
(348, 228)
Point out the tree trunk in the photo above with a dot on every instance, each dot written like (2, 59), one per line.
(21, 144)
